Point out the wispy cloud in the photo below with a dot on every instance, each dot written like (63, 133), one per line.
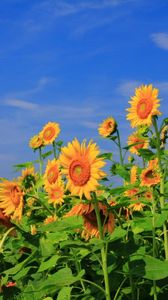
(160, 39)
(90, 125)
(41, 84)
(127, 87)
(20, 104)
(64, 8)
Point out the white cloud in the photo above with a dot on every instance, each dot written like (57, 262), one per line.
(63, 8)
(160, 39)
(90, 125)
(20, 104)
(127, 88)
(163, 86)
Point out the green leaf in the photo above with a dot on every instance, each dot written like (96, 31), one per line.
(46, 246)
(27, 164)
(50, 263)
(22, 273)
(117, 191)
(146, 154)
(59, 143)
(65, 293)
(107, 156)
(19, 266)
(69, 223)
(155, 269)
(118, 233)
(56, 237)
(45, 155)
(122, 171)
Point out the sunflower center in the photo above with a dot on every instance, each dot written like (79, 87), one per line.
(91, 218)
(149, 174)
(140, 144)
(52, 174)
(110, 125)
(15, 196)
(49, 133)
(57, 194)
(79, 172)
(144, 108)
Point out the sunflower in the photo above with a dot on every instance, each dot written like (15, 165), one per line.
(133, 174)
(50, 132)
(150, 176)
(28, 179)
(4, 220)
(137, 206)
(164, 135)
(144, 105)
(107, 127)
(11, 199)
(56, 193)
(82, 167)
(137, 141)
(88, 214)
(52, 173)
(132, 193)
(36, 142)
(148, 195)
(50, 219)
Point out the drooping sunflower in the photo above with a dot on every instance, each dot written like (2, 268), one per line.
(82, 167)
(50, 219)
(52, 173)
(28, 179)
(107, 127)
(11, 199)
(36, 142)
(137, 141)
(144, 105)
(133, 194)
(87, 211)
(150, 176)
(56, 193)
(137, 206)
(4, 220)
(50, 132)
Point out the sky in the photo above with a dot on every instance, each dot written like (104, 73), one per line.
(75, 62)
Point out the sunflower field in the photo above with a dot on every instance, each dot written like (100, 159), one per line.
(67, 232)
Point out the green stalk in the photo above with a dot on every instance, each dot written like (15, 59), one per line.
(162, 200)
(78, 269)
(103, 251)
(40, 161)
(4, 237)
(120, 149)
(154, 244)
(94, 284)
(42, 203)
(122, 163)
(54, 150)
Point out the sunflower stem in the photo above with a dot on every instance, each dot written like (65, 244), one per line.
(40, 161)
(94, 284)
(4, 237)
(162, 200)
(154, 244)
(103, 249)
(120, 148)
(54, 149)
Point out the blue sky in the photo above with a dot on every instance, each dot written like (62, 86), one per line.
(75, 62)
